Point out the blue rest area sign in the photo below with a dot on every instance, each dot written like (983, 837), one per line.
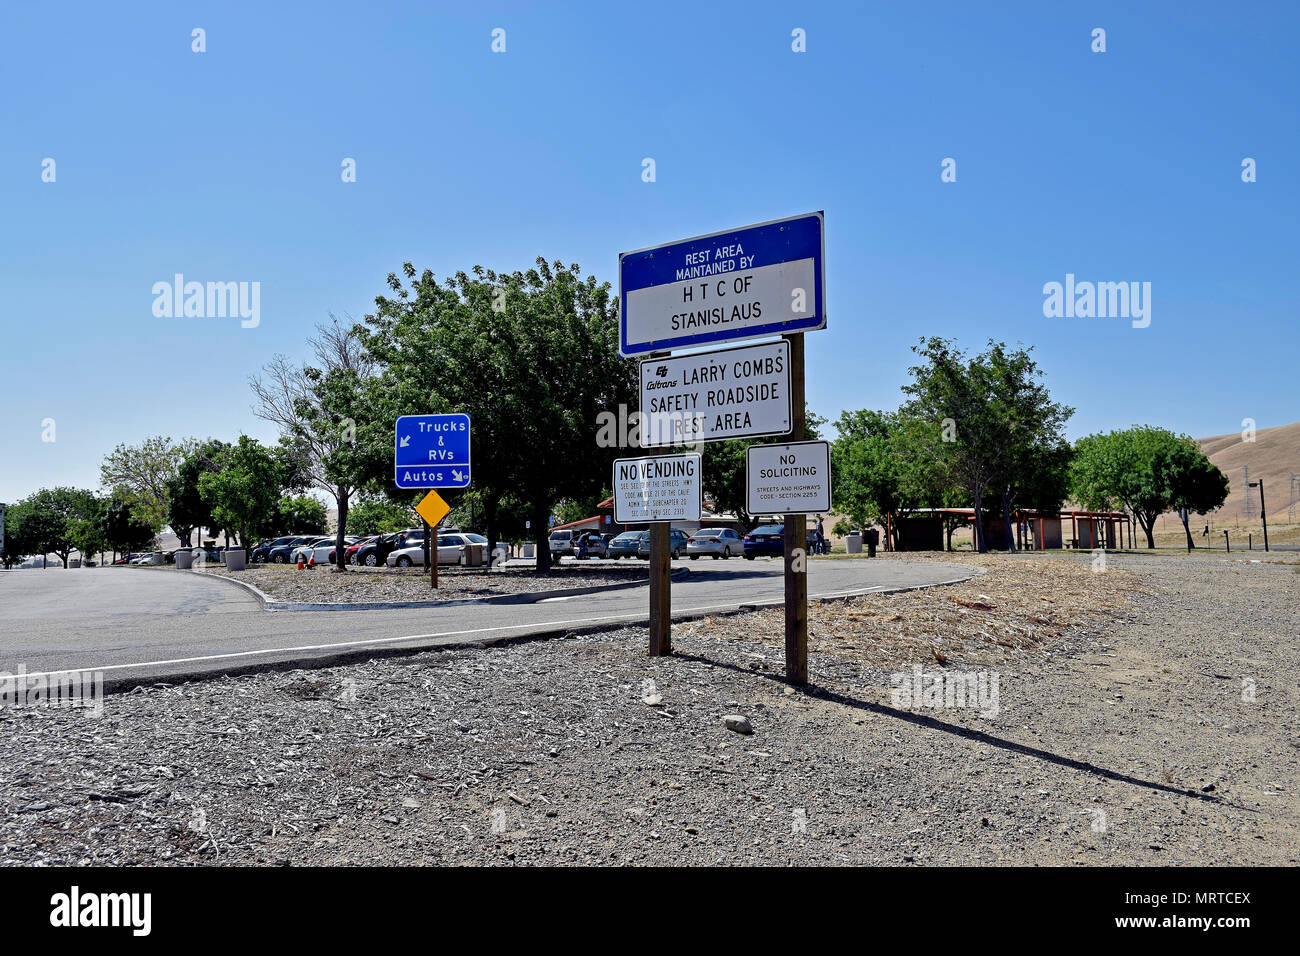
(761, 280)
(432, 451)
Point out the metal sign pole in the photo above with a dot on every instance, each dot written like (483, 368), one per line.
(795, 539)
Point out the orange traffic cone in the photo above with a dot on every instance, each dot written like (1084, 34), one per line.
(300, 564)
(311, 562)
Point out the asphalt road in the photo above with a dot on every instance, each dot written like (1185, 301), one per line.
(138, 624)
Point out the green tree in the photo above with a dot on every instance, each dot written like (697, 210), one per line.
(18, 543)
(575, 509)
(374, 514)
(245, 494)
(1196, 485)
(1147, 469)
(88, 532)
(300, 514)
(48, 519)
(186, 509)
(124, 532)
(141, 474)
(1036, 460)
(992, 414)
(531, 356)
(326, 420)
(878, 474)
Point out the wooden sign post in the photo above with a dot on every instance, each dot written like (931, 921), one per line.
(795, 540)
(718, 290)
(661, 615)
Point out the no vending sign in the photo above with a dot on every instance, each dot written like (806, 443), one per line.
(658, 488)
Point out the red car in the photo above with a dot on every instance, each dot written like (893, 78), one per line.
(350, 554)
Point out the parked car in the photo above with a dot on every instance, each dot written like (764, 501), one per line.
(597, 544)
(372, 551)
(304, 551)
(563, 544)
(321, 550)
(261, 553)
(408, 545)
(450, 547)
(676, 540)
(765, 541)
(350, 552)
(715, 542)
(281, 552)
(625, 545)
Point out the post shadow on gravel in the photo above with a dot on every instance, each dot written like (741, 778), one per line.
(978, 736)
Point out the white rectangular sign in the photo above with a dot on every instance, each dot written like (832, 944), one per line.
(658, 488)
(745, 283)
(731, 393)
(788, 479)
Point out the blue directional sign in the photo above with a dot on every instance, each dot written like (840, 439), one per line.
(432, 451)
(745, 283)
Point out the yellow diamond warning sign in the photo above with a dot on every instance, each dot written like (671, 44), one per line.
(432, 508)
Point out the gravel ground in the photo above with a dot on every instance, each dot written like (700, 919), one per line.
(1123, 734)
(363, 585)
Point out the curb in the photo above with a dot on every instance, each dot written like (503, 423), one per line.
(361, 655)
(523, 597)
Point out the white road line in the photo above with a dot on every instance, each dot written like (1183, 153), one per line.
(636, 615)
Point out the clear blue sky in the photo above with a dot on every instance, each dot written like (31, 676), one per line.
(225, 166)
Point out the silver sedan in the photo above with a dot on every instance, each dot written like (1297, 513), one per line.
(714, 542)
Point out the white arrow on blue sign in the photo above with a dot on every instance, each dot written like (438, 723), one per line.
(432, 451)
(761, 280)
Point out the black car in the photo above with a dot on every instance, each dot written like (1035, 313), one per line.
(279, 553)
(375, 552)
(261, 553)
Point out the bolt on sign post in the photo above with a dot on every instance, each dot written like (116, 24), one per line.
(432, 451)
(758, 281)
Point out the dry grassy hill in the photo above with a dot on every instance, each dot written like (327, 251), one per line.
(1274, 455)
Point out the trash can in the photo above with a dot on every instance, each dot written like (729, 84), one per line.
(234, 558)
(853, 543)
(471, 556)
(184, 559)
(157, 557)
(74, 562)
(529, 549)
